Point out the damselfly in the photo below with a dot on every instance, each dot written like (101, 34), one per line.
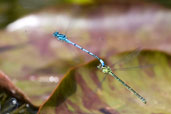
(105, 69)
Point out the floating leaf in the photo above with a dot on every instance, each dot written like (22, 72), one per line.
(75, 94)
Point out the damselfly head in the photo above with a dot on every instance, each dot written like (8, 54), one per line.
(59, 36)
(55, 34)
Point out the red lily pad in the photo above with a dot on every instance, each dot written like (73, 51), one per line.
(76, 92)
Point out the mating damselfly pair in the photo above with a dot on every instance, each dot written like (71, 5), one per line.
(103, 67)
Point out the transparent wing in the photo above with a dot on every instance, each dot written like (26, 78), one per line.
(75, 12)
(124, 59)
(65, 19)
(101, 82)
(127, 58)
(134, 67)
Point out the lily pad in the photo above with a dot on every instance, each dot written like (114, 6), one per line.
(76, 93)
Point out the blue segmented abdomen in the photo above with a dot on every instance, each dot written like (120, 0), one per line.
(64, 38)
(101, 61)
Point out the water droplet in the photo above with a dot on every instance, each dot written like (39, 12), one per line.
(53, 79)
(27, 105)
(10, 105)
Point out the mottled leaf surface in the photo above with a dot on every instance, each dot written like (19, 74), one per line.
(75, 94)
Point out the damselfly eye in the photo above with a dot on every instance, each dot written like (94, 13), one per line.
(55, 34)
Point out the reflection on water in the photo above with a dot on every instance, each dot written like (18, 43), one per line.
(45, 79)
(52, 20)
